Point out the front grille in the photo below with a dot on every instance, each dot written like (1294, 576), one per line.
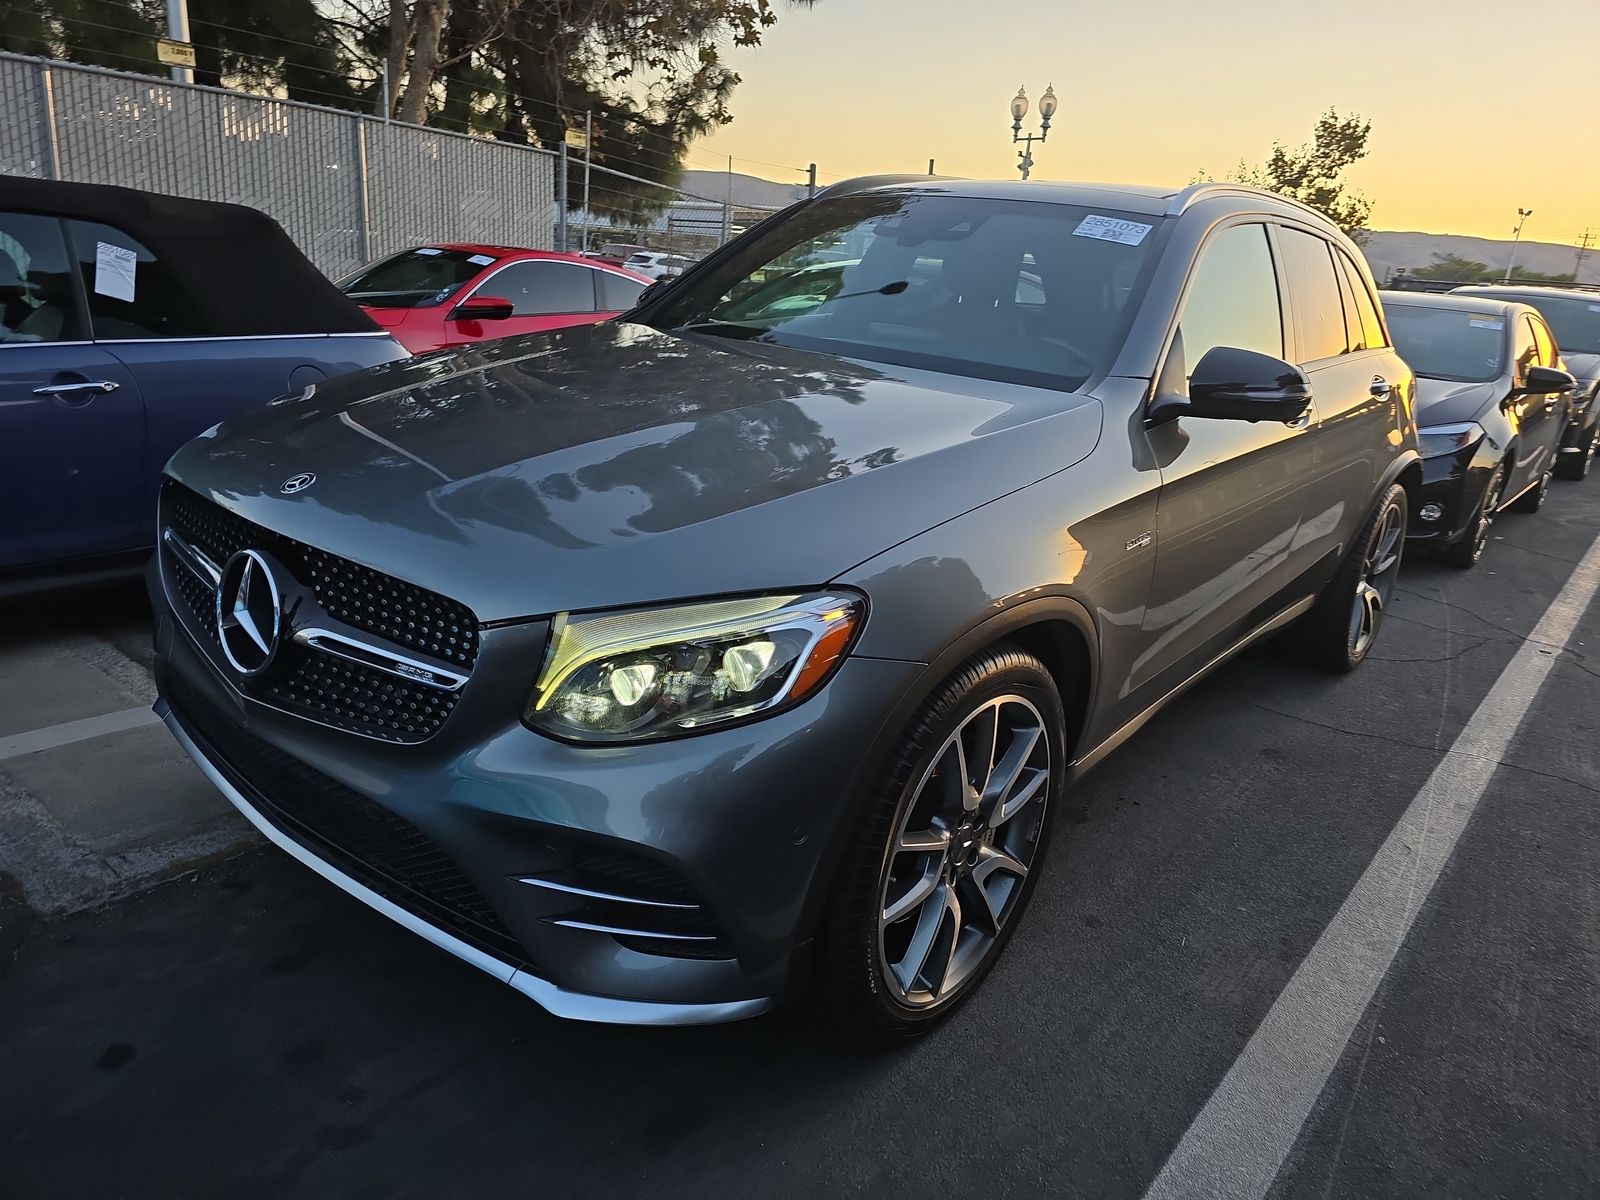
(361, 838)
(306, 682)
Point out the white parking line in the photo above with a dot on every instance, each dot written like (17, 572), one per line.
(68, 732)
(1238, 1143)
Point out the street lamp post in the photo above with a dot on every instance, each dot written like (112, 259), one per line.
(1516, 236)
(1019, 109)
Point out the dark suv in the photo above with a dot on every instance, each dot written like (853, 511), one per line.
(660, 667)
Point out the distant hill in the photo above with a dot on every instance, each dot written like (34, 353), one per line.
(1386, 251)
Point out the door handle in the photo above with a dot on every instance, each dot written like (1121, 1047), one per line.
(73, 389)
(1379, 386)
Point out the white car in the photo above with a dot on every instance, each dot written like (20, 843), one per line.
(657, 264)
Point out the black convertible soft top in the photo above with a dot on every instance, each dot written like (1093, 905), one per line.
(239, 266)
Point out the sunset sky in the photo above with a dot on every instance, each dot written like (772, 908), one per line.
(1477, 107)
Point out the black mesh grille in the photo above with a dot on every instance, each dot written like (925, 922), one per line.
(363, 839)
(315, 685)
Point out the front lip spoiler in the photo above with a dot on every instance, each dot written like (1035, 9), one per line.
(575, 1006)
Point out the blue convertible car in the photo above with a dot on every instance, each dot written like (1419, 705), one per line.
(129, 323)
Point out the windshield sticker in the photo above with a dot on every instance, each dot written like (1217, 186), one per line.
(1485, 323)
(113, 271)
(1109, 229)
(1594, 308)
(428, 250)
(482, 260)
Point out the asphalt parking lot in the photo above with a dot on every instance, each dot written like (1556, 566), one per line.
(247, 1029)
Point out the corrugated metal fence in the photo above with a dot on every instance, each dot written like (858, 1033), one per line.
(346, 187)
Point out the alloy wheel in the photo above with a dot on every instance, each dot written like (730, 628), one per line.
(962, 851)
(1487, 512)
(1375, 583)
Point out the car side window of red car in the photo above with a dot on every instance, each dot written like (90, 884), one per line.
(538, 289)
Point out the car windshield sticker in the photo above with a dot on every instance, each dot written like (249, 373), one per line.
(482, 260)
(1594, 308)
(113, 271)
(1109, 229)
(1485, 323)
(429, 250)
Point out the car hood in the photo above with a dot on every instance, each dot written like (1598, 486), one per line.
(1447, 402)
(615, 464)
(1585, 366)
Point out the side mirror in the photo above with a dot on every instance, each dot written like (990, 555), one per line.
(1230, 384)
(483, 308)
(1541, 381)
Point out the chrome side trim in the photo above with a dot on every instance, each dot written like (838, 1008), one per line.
(565, 923)
(576, 1006)
(592, 894)
(368, 655)
(203, 568)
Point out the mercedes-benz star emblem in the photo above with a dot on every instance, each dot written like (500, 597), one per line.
(297, 483)
(249, 612)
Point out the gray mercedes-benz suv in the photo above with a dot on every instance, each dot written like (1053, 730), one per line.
(661, 667)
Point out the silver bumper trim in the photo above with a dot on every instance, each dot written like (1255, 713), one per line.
(576, 1006)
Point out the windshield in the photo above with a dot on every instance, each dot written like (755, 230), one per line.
(1449, 343)
(1574, 321)
(414, 278)
(1021, 291)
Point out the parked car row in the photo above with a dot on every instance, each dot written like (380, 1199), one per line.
(669, 666)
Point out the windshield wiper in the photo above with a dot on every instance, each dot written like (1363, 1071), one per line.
(728, 329)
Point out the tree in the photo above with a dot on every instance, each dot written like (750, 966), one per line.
(1311, 173)
(1457, 269)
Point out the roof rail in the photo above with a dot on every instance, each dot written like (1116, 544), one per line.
(862, 183)
(1196, 192)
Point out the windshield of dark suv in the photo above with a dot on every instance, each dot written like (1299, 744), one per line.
(414, 278)
(1448, 343)
(1020, 291)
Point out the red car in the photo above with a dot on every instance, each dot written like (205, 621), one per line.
(457, 292)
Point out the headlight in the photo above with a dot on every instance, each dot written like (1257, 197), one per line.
(665, 672)
(1434, 440)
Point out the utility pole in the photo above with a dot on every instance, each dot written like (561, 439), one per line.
(811, 180)
(930, 166)
(588, 155)
(561, 196)
(1584, 243)
(727, 208)
(1516, 236)
(178, 31)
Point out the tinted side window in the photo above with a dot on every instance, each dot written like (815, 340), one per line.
(617, 292)
(1233, 298)
(1545, 343)
(541, 288)
(1314, 289)
(37, 303)
(131, 293)
(1366, 308)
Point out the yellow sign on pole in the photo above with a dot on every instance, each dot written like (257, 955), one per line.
(174, 54)
(577, 139)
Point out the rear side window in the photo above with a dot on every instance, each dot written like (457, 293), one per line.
(617, 292)
(131, 293)
(543, 288)
(1314, 289)
(1366, 308)
(37, 303)
(1233, 300)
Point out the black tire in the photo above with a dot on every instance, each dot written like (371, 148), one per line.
(1469, 547)
(1532, 500)
(854, 978)
(1328, 636)
(1576, 466)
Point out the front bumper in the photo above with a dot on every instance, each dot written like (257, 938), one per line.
(1456, 488)
(500, 821)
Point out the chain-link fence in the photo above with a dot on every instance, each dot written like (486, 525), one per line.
(346, 187)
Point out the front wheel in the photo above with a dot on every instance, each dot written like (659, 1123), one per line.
(1339, 631)
(942, 864)
(1465, 551)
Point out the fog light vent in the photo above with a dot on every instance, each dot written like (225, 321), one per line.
(1431, 512)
